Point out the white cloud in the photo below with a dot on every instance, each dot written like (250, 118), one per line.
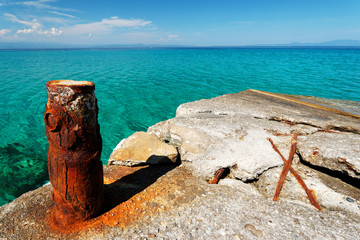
(105, 25)
(4, 31)
(26, 31)
(111, 29)
(62, 14)
(35, 26)
(52, 32)
(173, 36)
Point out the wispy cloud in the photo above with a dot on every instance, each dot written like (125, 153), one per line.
(170, 38)
(35, 26)
(11, 17)
(37, 4)
(57, 20)
(117, 22)
(62, 14)
(41, 4)
(4, 31)
(105, 25)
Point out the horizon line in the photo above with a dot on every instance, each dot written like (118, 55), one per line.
(109, 47)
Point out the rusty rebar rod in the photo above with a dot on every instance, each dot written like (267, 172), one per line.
(285, 171)
(309, 192)
(75, 145)
(217, 176)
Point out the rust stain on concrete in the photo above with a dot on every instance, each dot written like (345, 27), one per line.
(148, 200)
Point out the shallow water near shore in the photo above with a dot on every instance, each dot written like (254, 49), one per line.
(138, 88)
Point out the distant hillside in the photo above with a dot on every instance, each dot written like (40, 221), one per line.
(335, 43)
(341, 43)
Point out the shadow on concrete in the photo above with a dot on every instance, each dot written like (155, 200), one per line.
(127, 186)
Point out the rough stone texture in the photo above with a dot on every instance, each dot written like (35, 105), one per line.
(158, 202)
(75, 144)
(235, 129)
(331, 193)
(336, 151)
(212, 142)
(274, 107)
(142, 148)
(231, 131)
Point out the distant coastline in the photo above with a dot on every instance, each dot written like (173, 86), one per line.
(183, 48)
(337, 44)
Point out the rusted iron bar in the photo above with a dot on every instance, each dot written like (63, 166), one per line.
(75, 145)
(309, 192)
(327, 131)
(217, 176)
(285, 170)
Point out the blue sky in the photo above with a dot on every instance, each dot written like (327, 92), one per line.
(182, 22)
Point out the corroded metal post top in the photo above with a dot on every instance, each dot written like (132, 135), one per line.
(70, 83)
(70, 92)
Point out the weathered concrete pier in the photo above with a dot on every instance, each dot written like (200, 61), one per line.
(225, 140)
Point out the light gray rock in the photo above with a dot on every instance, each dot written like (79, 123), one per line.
(276, 107)
(179, 132)
(239, 185)
(142, 148)
(331, 193)
(231, 131)
(336, 151)
(212, 142)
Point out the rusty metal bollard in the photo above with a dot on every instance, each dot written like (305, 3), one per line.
(75, 144)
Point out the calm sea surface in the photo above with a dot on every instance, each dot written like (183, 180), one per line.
(138, 88)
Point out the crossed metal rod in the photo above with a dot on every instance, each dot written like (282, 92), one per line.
(285, 171)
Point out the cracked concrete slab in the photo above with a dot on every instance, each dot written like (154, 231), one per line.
(231, 131)
(236, 129)
(336, 151)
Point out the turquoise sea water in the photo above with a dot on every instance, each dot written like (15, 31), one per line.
(138, 88)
